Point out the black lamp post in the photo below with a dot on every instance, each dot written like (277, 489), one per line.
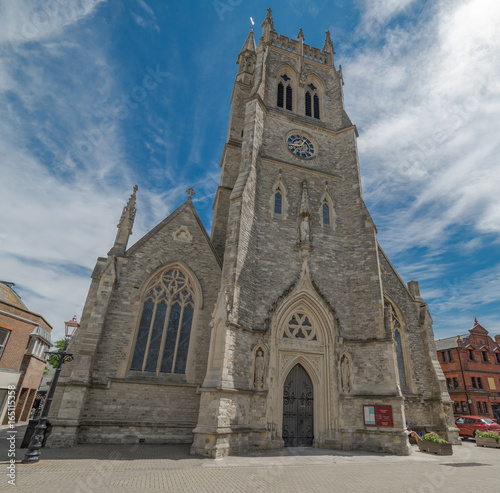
(33, 453)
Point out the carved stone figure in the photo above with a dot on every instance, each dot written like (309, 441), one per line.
(259, 370)
(345, 373)
(304, 229)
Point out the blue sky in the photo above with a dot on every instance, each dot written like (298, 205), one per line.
(96, 96)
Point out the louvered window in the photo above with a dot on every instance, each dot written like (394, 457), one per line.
(308, 104)
(281, 90)
(316, 106)
(289, 98)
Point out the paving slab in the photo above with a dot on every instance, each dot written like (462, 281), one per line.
(155, 467)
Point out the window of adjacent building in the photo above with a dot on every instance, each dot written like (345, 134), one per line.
(449, 384)
(479, 383)
(471, 354)
(485, 357)
(455, 382)
(457, 407)
(464, 406)
(485, 408)
(474, 384)
(498, 357)
(4, 335)
(450, 355)
(163, 337)
(443, 356)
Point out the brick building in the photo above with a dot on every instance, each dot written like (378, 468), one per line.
(24, 338)
(471, 365)
(288, 325)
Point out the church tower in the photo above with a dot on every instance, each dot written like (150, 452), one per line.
(287, 326)
(308, 342)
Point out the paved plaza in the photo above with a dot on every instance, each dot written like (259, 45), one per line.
(149, 467)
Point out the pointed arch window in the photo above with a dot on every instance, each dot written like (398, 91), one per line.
(165, 328)
(289, 97)
(278, 201)
(281, 92)
(398, 339)
(326, 213)
(316, 106)
(312, 101)
(308, 104)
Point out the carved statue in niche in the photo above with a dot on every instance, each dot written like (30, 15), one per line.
(260, 367)
(345, 373)
(304, 229)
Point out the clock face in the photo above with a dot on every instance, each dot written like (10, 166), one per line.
(300, 146)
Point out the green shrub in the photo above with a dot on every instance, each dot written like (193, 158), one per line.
(433, 437)
(488, 434)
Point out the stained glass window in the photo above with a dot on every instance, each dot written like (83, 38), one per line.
(400, 358)
(165, 328)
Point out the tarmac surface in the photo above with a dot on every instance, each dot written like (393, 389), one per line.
(154, 468)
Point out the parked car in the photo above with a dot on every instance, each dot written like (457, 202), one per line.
(467, 425)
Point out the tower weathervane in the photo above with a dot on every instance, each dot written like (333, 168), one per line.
(251, 20)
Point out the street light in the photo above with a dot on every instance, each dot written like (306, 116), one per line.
(33, 453)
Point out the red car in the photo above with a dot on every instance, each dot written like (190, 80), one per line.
(467, 425)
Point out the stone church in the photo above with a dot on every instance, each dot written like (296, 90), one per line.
(287, 325)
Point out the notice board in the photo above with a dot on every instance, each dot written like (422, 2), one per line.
(378, 416)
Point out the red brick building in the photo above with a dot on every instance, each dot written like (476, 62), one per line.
(24, 338)
(471, 365)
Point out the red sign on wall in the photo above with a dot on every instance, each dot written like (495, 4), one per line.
(378, 416)
(383, 416)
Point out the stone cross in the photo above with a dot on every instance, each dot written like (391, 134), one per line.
(190, 191)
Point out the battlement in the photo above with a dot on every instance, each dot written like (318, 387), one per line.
(292, 45)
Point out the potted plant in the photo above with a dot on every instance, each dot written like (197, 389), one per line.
(433, 444)
(489, 439)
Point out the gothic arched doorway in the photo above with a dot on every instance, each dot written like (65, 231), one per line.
(298, 408)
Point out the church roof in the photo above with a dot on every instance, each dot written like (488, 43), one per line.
(9, 296)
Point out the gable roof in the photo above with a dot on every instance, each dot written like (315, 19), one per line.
(187, 206)
(448, 342)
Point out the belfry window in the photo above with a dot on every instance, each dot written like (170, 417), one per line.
(308, 104)
(312, 101)
(165, 327)
(278, 201)
(289, 98)
(281, 90)
(316, 106)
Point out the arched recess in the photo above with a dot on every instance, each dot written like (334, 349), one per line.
(345, 380)
(257, 383)
(287, 76)
(303, 332)
(175, 334)
(315, 87)
(400, 335)
(279, 191)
